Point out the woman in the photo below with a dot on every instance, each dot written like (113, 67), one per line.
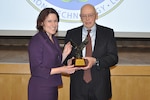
(46, 58)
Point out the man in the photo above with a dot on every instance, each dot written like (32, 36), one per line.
(104, 55)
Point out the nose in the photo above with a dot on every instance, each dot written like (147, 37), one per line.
(54, 23)
(87, 17)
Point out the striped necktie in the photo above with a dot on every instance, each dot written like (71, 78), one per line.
(87, 73)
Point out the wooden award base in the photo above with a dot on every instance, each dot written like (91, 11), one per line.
(79, 62)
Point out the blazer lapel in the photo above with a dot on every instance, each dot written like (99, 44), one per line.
(47, 40)
(98, 39)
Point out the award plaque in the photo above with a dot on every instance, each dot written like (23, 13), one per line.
(78, 61)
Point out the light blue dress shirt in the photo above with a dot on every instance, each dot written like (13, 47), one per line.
(92, 34)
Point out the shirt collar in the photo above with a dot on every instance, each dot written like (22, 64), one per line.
(93, 30)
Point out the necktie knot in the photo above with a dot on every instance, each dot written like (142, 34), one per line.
(89, 31)
(88, 35)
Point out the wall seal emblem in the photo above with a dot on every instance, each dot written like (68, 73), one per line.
(69, 10)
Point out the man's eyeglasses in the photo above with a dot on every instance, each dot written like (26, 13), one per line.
(87, 16)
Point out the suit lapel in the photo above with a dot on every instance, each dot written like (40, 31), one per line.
(98, 40)
(48, 43)
(79, 35)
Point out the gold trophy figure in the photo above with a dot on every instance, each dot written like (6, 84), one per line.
(78, 61)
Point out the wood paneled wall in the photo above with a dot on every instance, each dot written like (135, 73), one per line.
(128, 82)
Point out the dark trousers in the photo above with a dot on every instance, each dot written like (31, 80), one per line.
(82, 92)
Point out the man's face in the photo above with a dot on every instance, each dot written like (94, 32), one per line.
(88, 16)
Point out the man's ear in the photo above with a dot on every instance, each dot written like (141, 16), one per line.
(96, 15)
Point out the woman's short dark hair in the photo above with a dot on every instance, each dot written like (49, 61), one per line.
(42, 16)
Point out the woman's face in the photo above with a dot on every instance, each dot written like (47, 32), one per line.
(50, 24)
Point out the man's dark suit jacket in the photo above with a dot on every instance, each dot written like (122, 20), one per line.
(105, 50)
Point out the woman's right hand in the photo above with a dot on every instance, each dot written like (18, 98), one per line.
(70, 69)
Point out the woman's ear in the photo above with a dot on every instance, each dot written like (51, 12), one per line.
(42, 24)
